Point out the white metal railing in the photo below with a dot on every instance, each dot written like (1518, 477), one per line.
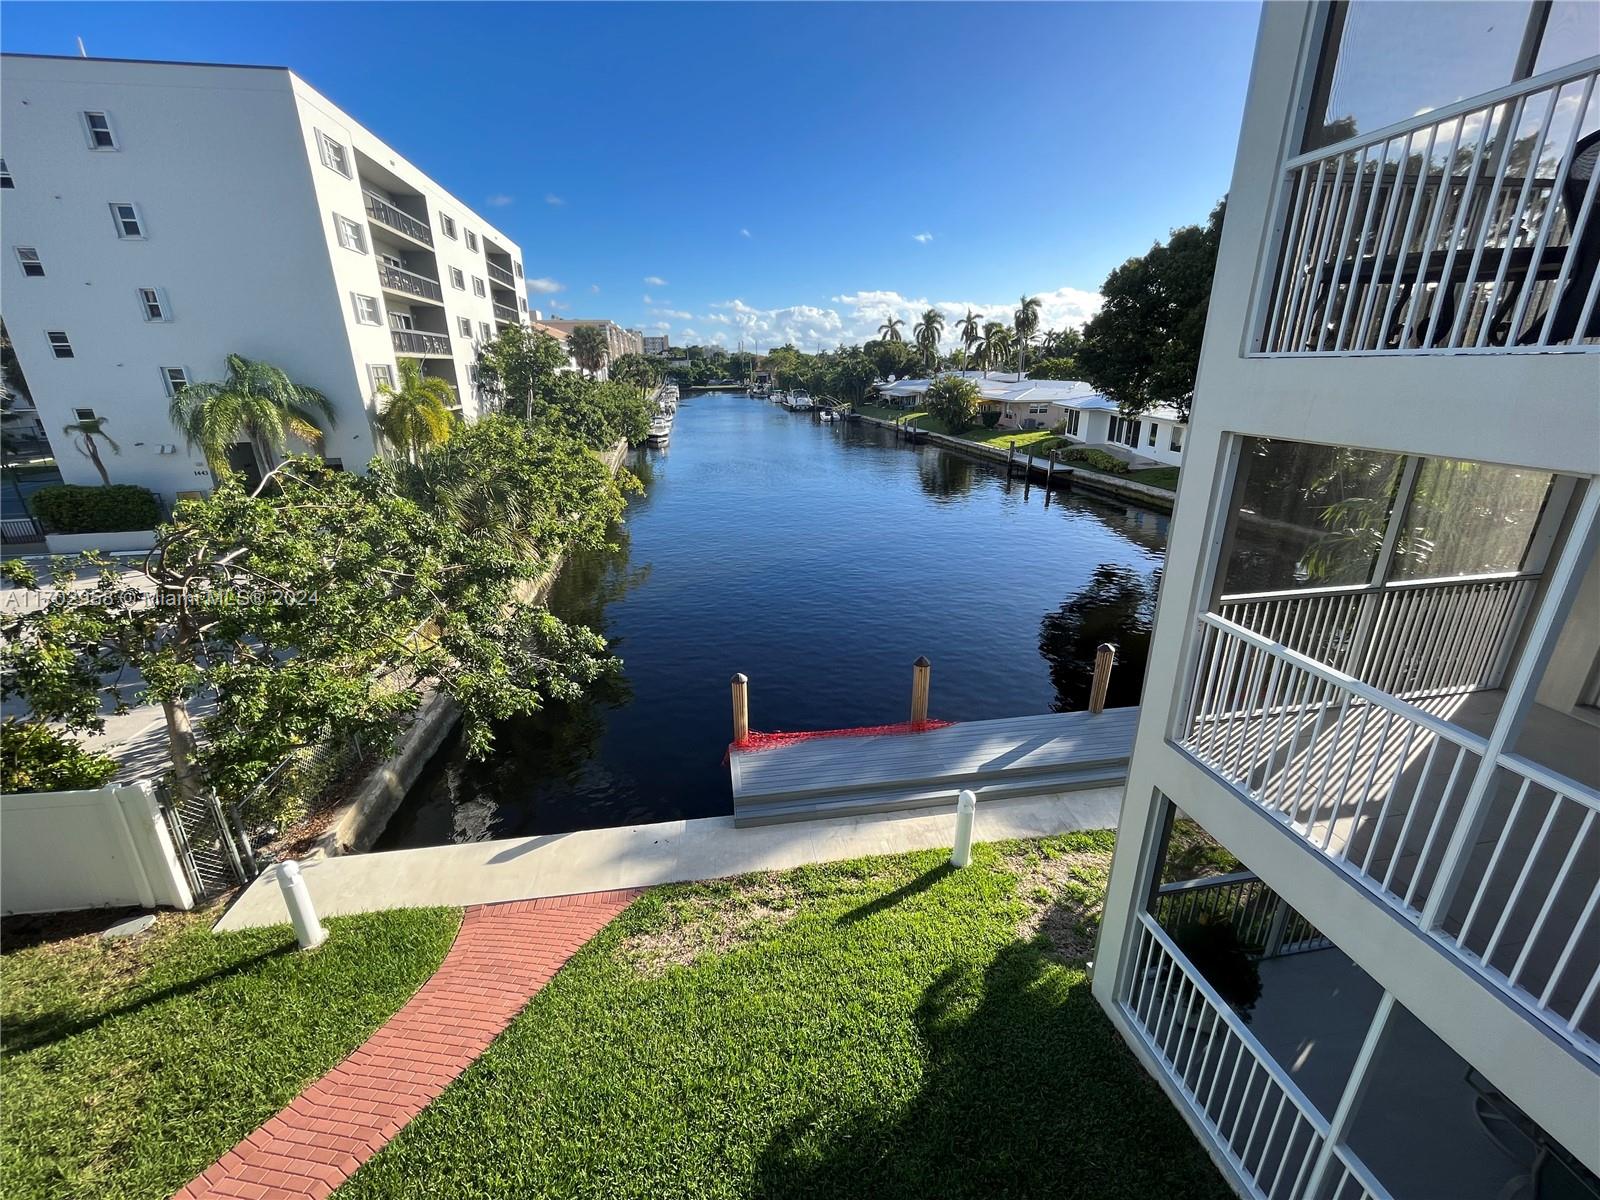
(1408, 638)
(1263, 923)
(1379, 787)
(1349, 1179)
(1527, 914)
(1255, 1115)
(1468, 228)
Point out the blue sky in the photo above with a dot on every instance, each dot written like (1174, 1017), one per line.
(784, 170)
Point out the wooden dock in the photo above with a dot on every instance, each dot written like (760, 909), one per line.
(1014, 756)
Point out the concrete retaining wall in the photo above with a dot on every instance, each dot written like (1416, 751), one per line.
(106, 848)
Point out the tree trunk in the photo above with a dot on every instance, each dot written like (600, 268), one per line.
(93, 452)
(182, 748)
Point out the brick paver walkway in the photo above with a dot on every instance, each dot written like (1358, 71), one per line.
(503, 954)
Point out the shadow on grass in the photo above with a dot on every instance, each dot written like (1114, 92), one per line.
(50, 1027)
(904, 892)
(1027, 1092)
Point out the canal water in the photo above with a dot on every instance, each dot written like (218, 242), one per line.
(821, 560)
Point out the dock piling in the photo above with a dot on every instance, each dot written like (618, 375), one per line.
(1104, 659)
(920, 671)
(741, 709)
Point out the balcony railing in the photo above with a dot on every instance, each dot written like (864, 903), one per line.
(505, 312)
(381, 211)
(1408, 638)
(1383, 789)
(409, 282)
(500, 275)
(1255, 1115)
(414, 341)
(1469, 228)
(1263, 923)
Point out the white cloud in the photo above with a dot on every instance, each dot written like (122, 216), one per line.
(924, 238)
(688, 336)
(499, 200)
(744, 233)
(553, 200)
(858, 315)
(594, 289)
(647, 298)
(654, 281)
(671, 312)
(544, 286)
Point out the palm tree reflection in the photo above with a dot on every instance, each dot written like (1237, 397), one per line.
(1117, 606)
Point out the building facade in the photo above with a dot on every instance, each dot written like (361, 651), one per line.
(1353, 924)
(657, 345)
(161, 216)
(619, 341)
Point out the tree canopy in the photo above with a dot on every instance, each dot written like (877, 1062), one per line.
(954, 400)
(1143, 348)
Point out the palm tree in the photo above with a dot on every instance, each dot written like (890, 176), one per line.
(258, 403)
(1026, 322)
(588, 347)
(83, 433)
(890, 330)
(927, 334)
(968, 330)
(416, 416)
(995, 348)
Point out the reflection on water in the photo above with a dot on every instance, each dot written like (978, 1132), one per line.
(820, 560)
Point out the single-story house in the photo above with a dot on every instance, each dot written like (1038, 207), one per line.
(1095, 421)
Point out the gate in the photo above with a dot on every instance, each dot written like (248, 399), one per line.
(211, 843)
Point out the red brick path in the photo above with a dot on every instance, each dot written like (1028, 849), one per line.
(503, 954)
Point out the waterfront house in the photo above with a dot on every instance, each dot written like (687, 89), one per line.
(1097, 422)
(1373, 684)
(307, 242)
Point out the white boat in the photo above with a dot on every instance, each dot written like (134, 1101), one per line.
(781, 397)
(660, 429)
(800, 402)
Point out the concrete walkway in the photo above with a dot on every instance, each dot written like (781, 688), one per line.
(501, 957)
(642, 855)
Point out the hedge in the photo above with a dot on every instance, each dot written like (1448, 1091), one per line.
(35, 758)
(76, 508)
(1099, 460)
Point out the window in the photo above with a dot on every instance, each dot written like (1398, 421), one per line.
(60, 344)
(477, 287)
(175, 379)
(1073, 416)
(83, 414)
(126, 218)
(333, 154)
(97, 126)
(366, 309)
(29, 258)
(153, 304)
(448, 224)
(463, 324)
(1177, 439)
(483, 328)
(457, 279)
(399, 320)
(351, 235)
(1154, 428)
(523, 300)
(5, 176)
(517, 267)
(390, 260)
(382, 375)
(472, 241)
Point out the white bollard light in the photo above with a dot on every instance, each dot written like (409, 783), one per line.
(966, 811)
(297, 899)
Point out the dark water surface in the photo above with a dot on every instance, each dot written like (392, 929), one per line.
(820, 560)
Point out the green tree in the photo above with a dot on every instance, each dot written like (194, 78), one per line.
(954, 400)
(517, 366)
(889, 358)
(1143, 348)
(257, 403)
(890, 330)
(1025, 324)
(417, 415)
(589, 349)
(994, 350)
(85, 434)
(968, 330)
(1055, 368)
(927, 333)
(637, 371)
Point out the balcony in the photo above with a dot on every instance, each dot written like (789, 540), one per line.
(501, 275)
(504, 312)
(1471, 228)
(416, 342)
(409, 283)
(391, 218)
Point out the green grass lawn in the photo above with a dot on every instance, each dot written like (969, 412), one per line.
(127, 1067)
(1161, 477)
(882, 1028)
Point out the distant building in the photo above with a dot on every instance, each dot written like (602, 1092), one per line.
(619, 341)
(657, 345)
(162, 216)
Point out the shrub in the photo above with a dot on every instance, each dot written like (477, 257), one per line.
(35, 758)
(990, 418)
(114, 508)
(1216, 952)
(954, 400)
(1097, 460)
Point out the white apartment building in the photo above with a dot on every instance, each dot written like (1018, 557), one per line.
(161, 216)
(1373, 675)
